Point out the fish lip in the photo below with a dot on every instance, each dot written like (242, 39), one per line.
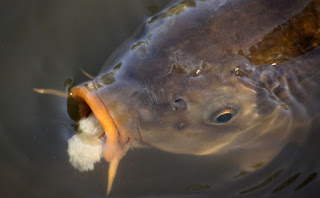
(116, 144)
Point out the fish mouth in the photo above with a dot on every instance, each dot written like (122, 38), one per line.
(116, 144)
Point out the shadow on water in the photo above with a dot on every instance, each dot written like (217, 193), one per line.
(45, 43)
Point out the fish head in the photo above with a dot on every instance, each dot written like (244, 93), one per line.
(181, 104)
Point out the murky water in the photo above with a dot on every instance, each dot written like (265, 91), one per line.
(45, 43)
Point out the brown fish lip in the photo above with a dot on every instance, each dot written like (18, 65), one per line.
(116, 144)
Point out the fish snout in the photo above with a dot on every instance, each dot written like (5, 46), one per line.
(89, 102)
(116, 142)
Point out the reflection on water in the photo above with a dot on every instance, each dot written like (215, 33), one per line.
(263, 184)
(310, 178)
(47, 44)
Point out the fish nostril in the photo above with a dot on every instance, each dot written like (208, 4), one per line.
(179, 104)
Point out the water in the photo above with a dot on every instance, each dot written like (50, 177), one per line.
(45, 43)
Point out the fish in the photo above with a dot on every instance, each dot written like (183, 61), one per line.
(204, 77)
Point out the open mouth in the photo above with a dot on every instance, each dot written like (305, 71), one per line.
(115, 145)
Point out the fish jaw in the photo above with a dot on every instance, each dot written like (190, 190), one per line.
(116, 144)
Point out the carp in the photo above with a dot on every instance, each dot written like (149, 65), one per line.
(205, 78)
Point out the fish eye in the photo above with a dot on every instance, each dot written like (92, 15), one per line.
(222, 116)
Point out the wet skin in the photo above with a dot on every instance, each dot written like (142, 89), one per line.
(209, 78)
